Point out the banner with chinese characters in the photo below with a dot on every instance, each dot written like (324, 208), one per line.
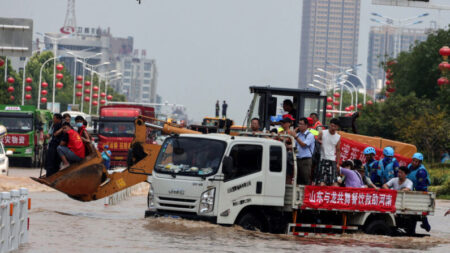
(354, 150)
(347, 198)
(16, 140)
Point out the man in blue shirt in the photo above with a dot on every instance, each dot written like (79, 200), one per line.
(305, 147)
(371, 166)
(418, 174)
(388, 165)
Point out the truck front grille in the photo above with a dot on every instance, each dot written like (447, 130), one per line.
(177, 203)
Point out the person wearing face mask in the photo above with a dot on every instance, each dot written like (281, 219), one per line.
(79, 122)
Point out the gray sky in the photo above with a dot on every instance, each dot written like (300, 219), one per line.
(207, 49)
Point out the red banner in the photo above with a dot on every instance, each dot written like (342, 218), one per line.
(347, 198)
(354, 150)
(16, 140)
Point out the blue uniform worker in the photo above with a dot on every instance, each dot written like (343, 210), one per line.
(371, 166)
(420, 177)
(388, 166)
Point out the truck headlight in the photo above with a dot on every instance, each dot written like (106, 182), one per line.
(151, 198)
(207, 201)
(28, 151)
(2, 160)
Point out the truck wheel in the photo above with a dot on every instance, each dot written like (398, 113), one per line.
(410, 228)
(378, 227)
(250, 222)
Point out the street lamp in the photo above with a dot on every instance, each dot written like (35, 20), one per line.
(23, 78)
(92, 81)
(40, 82)
(55, 48)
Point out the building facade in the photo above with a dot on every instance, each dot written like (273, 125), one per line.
(329, 37)
(139, 78)
(386, 42)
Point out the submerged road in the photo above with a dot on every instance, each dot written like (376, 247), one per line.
(60, 224)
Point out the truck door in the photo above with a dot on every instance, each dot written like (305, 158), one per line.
(245, 186)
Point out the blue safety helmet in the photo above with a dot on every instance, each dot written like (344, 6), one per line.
(369, 150)
(418, 156)
(106, 146)
(388, 151)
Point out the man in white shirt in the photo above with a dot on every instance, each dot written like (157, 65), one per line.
(400, 183)
(326, 173)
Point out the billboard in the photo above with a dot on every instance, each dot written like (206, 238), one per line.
(16, 35)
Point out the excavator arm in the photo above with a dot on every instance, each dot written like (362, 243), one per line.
(89, 180)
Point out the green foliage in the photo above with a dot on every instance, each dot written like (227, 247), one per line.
(63, 95)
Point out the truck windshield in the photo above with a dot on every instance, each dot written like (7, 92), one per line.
(190, 156)
(17, 124)
(116, 128)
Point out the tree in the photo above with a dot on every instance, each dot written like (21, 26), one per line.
(4, 94)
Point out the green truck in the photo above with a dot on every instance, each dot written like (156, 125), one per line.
(26, 128)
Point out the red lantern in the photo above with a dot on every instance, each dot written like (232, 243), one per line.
(11, 98)
(28, 96)
(388, 71)
(28, 80)
(443, 65)
(94, 103)
(347, 109)
(10, 80)
(95, 88)
(43, 100)
(59, 67)
(352, 107)
(87, 99)
(79, 86)
(336, 95)
(390, 90)
(79, 78)
(360, 106)
(389, 82)
(59, 76)
(102, 101)
(10, 89)
(389, 76)
(44, 92)
(87, 83)
(329, 107)
(390, 63)
(59, 85)
(87, 91)
(78, 94)
(348, 114)
(442, 81)
(28, 88)
(329, 115)
(336, 103)
(102, 94)
(95, 95)
(369, 102)
(2, 62)
(44, 85)
(445, 52)
(109, 97)
(329, 99)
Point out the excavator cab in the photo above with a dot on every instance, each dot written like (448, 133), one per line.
(267, 104)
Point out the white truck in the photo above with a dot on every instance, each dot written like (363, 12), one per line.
(243, 180)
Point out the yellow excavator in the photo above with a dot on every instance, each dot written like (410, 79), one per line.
(90, 180)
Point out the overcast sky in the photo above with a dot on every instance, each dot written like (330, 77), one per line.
(208, 49)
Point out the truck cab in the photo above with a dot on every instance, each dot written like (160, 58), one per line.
(217, 177)
(116, 129)
(26, 128)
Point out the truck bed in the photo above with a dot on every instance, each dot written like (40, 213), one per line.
(412, 202)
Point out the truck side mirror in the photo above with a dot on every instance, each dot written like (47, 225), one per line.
(9, 152)
(227, 166)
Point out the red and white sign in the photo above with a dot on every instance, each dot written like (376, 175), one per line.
(16, 140)
(354, 150)
(347, 198)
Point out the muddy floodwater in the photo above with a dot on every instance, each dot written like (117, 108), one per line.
(60, 224)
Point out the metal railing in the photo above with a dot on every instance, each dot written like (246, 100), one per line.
(14, 220)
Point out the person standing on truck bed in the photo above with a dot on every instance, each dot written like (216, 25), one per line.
(55, 134)
(305, 147)
(371, 166)
(352, 177)
(288, 107)
(316, 122)
(388, 165)
(254, 125)
(217, 108)
(400, 183)
(71, 148)
(420, 177)
(330, 153)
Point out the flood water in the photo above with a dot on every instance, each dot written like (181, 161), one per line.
(60, 224)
